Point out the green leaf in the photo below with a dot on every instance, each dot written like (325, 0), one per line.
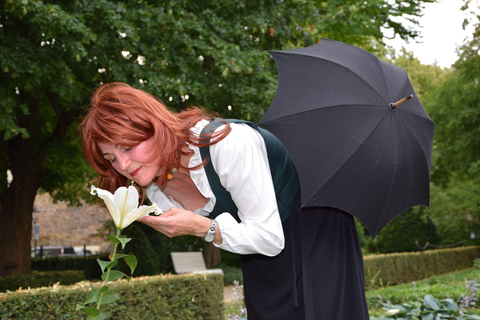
(112, 264)
(399, 307)
(451, 305)
(107, 264)
(124, 241)
(103, 264)
(118, 256)
(109, 297)
(94, 295)
(431, 302)
(112, 275)
(101, 316)
(429, 316)
(94, 312)
(132, 262)
(114, 239)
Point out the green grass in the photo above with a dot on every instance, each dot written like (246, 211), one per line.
(451, 285)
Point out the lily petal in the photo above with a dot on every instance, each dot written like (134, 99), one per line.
(93, 190)
(108, 198)
(123, 205)
(126, 200)
(138, 213)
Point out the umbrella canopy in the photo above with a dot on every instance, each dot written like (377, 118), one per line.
(358, 134)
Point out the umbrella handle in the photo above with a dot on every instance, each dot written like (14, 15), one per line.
(399, 102)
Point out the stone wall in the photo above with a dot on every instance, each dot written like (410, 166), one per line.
(60, 225)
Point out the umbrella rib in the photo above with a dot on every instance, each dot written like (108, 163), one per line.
(386, 202)
(327, 107)
(347, 68)
(362, 79)
(359, 146)
(391, 185)
(413, 133)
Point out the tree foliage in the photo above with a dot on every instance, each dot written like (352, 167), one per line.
(210, 53)
(455, 107)
(424, 78)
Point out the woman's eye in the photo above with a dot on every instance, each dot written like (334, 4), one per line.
(110, 159)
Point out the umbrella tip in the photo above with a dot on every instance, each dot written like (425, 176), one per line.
(399, 102)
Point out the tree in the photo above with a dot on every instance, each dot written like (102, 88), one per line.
(211, 53)
(424, 78)
(455, 108)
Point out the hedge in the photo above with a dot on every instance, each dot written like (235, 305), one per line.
(88, 265)
(192, 296)
(37, 279)
(396, 268)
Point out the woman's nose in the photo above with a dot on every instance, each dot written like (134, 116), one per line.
(123, 162)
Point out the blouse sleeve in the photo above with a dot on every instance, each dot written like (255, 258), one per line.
(241, 162)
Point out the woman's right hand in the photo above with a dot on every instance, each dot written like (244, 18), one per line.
(179, 222)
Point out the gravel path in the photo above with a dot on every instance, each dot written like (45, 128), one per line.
(228, 293)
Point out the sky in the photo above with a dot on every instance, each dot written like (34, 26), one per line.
(440, 33)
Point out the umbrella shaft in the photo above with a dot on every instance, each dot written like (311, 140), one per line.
(399, 102)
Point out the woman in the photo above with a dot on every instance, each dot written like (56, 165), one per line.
(234, 185)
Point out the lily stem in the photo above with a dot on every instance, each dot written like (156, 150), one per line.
(108, 270)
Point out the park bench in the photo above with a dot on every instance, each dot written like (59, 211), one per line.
(191, 262)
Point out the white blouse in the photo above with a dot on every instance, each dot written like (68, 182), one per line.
(241, 162)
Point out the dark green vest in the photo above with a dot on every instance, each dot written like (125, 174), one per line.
(284, 175)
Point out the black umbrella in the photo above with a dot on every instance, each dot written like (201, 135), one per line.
(357, 132)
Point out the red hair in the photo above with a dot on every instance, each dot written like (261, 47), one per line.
(125, 116)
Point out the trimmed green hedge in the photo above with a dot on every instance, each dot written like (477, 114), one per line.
(88, 265)
(37, 279)
(396, 268)
(192, 296)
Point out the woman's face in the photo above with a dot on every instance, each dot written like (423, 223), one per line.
(132, 162)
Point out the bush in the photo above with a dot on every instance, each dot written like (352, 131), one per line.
(88, 265)
(230, 259)
(231, 274)
(400, 234)
(395, 268)
(37, 279)
(158, 297)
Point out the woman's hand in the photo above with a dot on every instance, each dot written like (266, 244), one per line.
(179, 222)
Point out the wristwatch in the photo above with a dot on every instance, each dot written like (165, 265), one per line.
(210, 235)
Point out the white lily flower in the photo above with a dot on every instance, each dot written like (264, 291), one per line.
(123, 205)
(392, 312)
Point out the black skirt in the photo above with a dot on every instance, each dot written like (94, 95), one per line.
(319, 274)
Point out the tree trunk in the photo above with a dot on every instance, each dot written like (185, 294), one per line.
(25, 160)
(17, 206)
(211, 254)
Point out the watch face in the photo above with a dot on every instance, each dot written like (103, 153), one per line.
(209, 237)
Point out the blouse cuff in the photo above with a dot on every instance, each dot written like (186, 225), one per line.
(224, 219)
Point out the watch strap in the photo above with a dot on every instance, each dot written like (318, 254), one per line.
(210, 235)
